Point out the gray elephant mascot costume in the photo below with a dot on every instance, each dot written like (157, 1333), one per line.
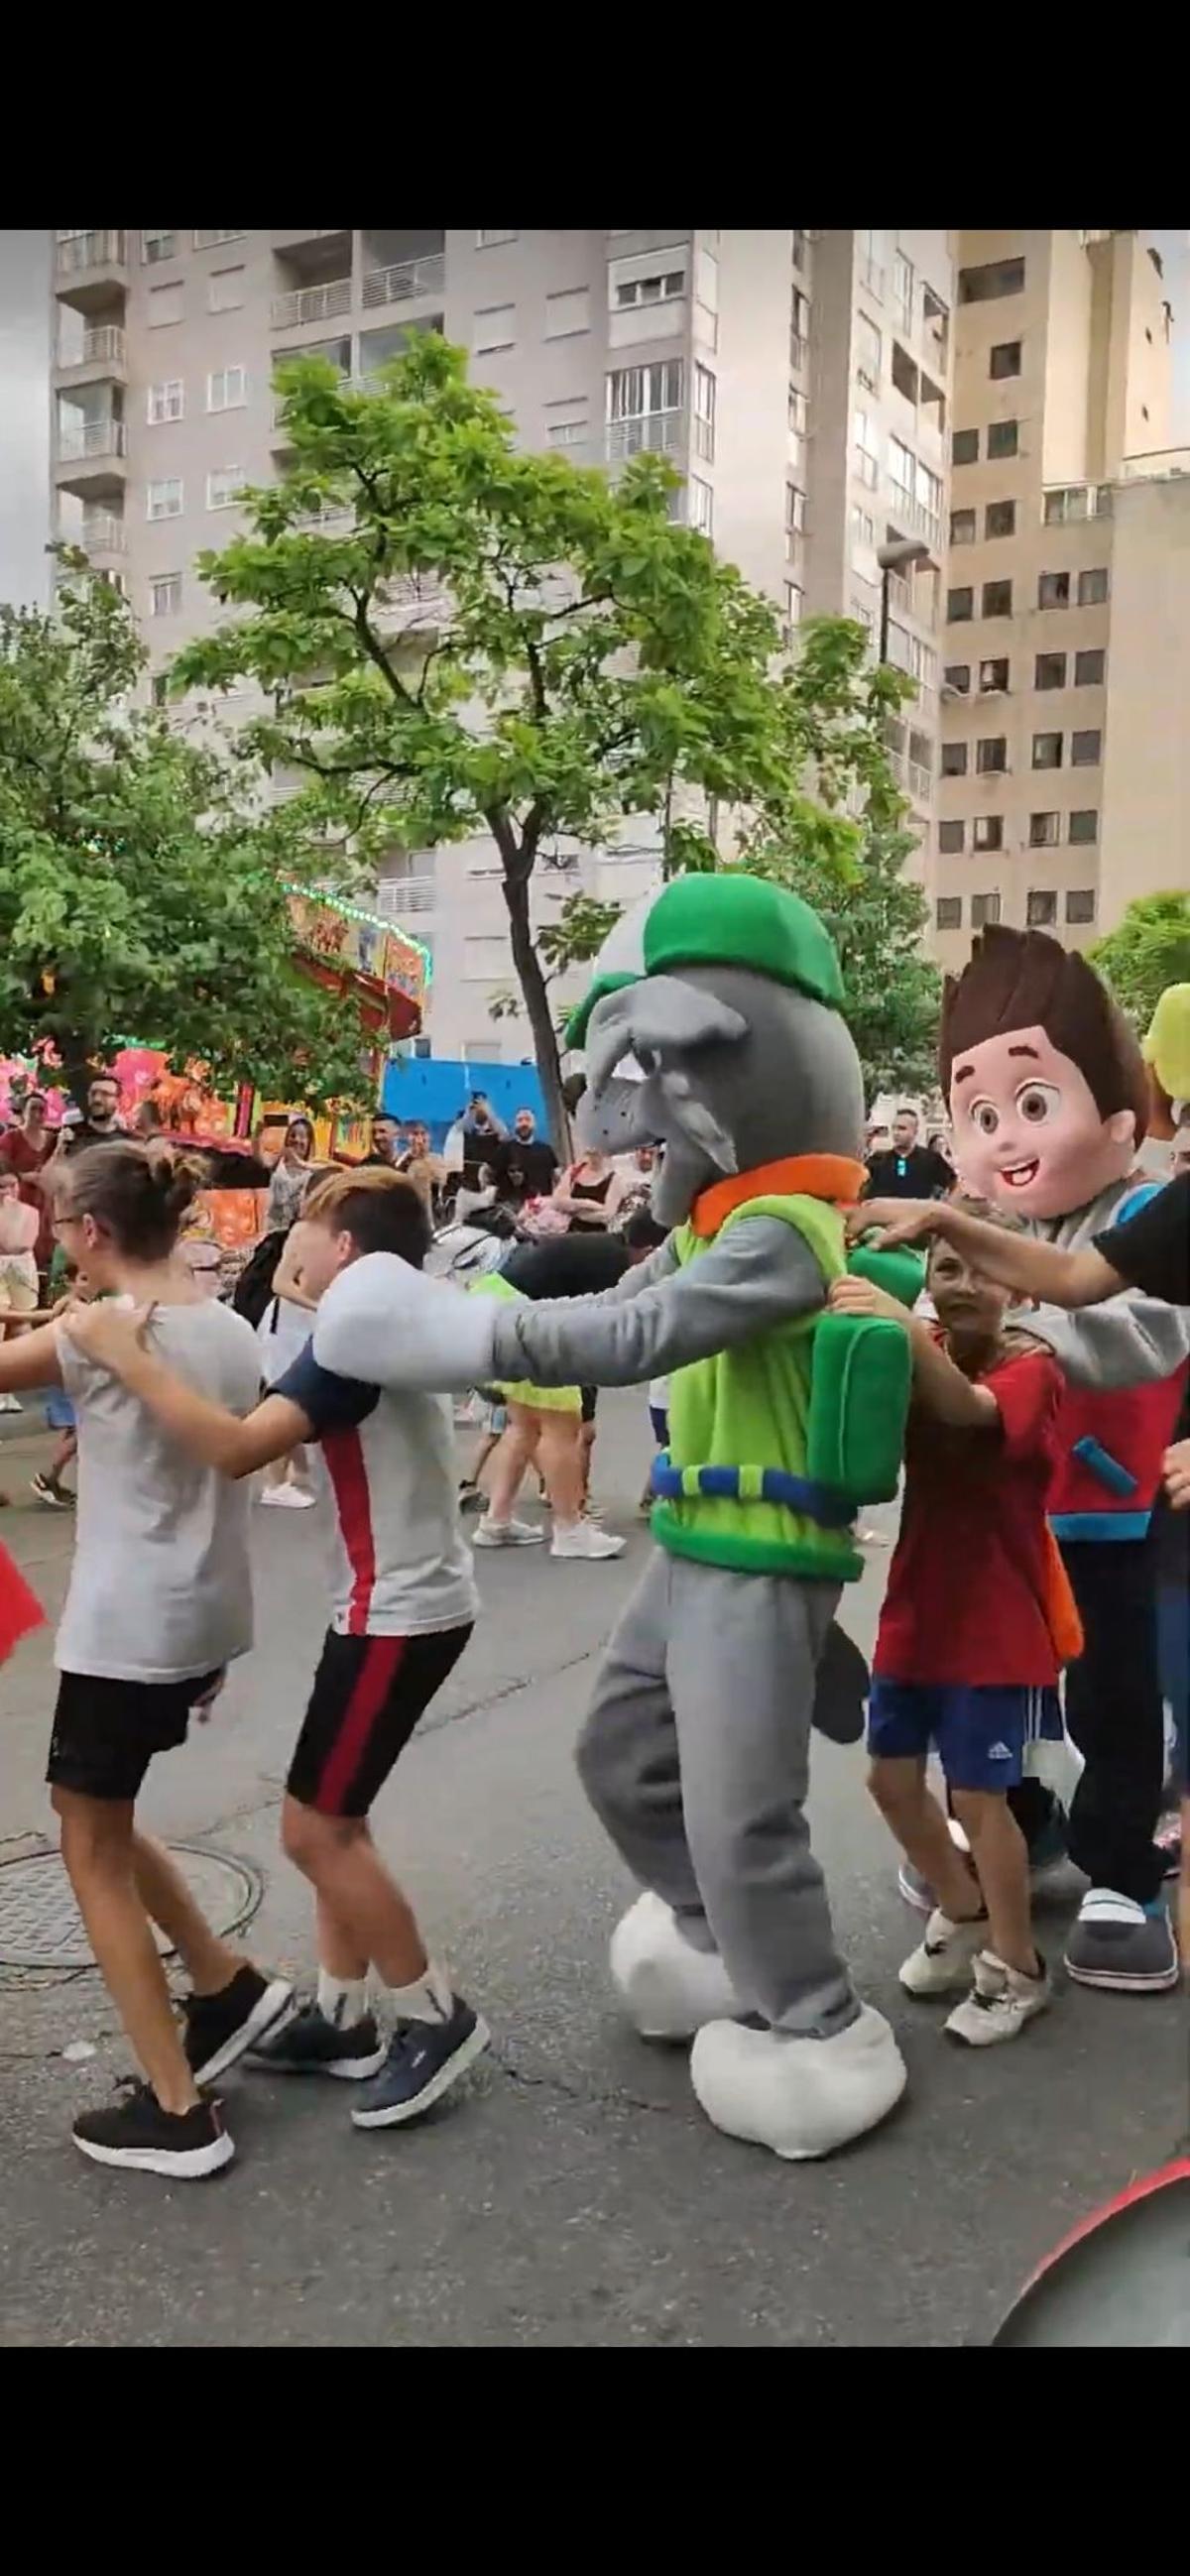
(714, 1027)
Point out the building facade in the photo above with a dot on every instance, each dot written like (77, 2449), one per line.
(800, 383)
(1063, 786)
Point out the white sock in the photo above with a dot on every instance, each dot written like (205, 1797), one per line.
(341, 2000)
(429, 1998)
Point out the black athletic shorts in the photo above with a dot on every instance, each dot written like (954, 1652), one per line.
(107, 1732)
(368, 1695)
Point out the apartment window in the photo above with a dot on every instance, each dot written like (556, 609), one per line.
(223, 484)
(1002, 437)
(1080, 903)
(964, 447)
(991, 754)
(1049, 671)
(799, 244)
(1053, 590)
(795, 509)
(567, 312)
(870, 248)
(1005, 360)
(1088, 669)
(157, 246)
(867, 450)
(165, 594)
(959, 605)
(948, 912)
(997, 599)
(904, 373)
(957, 675)
(1092, 587)
(954, 760)
(995, 277)
(988, 832)
(495, 328)
(902, 287)
(799, 315)
(566, 433)
(1043, 831)
(867, 353)
(1083, 826)
(488, 241)
(166, 304)
(951, 839)
(635, 392)
(993, 677)
(166, 400)
(1086, 749)
(701, 511)
(211, 241)
(1047, 751)
(163, 500)
(661, 288)
(962, 527)
(999, 519)
(863, 527)
(160, 688)
(795, 602)
(704, 412)
(227, 389)
(225, 290)
(798, 412)
(1041, 907)
(984, 908)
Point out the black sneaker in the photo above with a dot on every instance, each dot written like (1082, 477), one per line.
(424, 2059)
(138, 2134)
(312, 2045)
(220, 2027)
(48, 1492)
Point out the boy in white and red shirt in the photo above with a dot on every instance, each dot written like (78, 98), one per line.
(976, 1621)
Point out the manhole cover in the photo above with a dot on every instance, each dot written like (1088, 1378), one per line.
(41, 1927)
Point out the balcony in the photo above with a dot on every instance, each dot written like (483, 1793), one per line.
(1066, 503)
(89, 456)
(1156, 466)
(91, 268)
(398, 898)
(406, 282)
(651, 433)
(100, 357)
(912, 514)
(103, 535)
(311, 304)
(912, 776)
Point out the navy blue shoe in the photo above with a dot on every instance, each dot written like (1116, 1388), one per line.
(425, 2058)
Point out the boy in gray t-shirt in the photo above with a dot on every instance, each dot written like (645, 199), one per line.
(403, 1605)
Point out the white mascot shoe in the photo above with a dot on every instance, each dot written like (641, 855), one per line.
(668, 1988)
(801, 2097)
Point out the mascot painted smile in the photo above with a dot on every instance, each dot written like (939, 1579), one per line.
(714, 1028)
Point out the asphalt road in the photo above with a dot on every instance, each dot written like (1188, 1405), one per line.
(574, 2195)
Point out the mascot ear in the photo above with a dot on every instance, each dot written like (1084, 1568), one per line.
(664, 1023)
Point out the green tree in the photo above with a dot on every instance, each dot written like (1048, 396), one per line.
(1148, 949)
(878, 921)
(137, 898)
(470, 640)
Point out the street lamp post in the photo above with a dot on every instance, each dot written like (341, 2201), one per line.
(896, 556)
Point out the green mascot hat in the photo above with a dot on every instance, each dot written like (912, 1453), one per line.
(722, 920)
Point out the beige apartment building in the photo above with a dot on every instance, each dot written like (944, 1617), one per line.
(1064, 783)
(800, 383)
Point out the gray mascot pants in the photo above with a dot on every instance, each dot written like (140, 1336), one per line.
(695, 1756)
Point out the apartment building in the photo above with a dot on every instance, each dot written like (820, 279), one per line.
(1064, 787)
(799, 382)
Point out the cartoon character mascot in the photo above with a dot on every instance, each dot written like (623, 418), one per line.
(714, 1028)
(1049, 1101)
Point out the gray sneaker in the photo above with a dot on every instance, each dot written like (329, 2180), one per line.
(1118, 1944)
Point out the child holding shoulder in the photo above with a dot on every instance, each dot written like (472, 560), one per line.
(975, 1625)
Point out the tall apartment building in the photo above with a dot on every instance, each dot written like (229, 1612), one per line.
(800, 383)
(1065, 775)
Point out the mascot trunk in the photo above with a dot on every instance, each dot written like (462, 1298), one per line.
(724, 994)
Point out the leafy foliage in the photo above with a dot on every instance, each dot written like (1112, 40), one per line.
(1148, 949)
(463, 639)
(135, 897)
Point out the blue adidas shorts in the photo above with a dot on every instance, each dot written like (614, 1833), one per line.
(980, 1733)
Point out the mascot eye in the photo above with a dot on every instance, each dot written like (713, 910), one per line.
(1038, 1101)
(985, 1115)
(647, 1059)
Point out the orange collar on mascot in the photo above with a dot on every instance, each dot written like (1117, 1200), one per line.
(809, 1176)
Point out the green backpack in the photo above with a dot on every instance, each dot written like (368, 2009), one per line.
(860, 1383)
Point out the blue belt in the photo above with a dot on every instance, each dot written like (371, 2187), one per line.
(751, 1485)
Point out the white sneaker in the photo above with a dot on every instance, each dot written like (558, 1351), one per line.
(1001, 2001)
(10, 1404)
(585, 1540)
(289, 1498)
(942, 1962)
(277, 1496)
(507, 1534)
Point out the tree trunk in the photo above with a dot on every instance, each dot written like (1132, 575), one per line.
(537, 1003)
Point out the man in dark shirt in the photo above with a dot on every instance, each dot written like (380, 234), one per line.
(908, 1170)
(102, 1124)
(525, 1166)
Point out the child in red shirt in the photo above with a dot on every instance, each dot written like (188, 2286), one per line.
(971, 1638)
